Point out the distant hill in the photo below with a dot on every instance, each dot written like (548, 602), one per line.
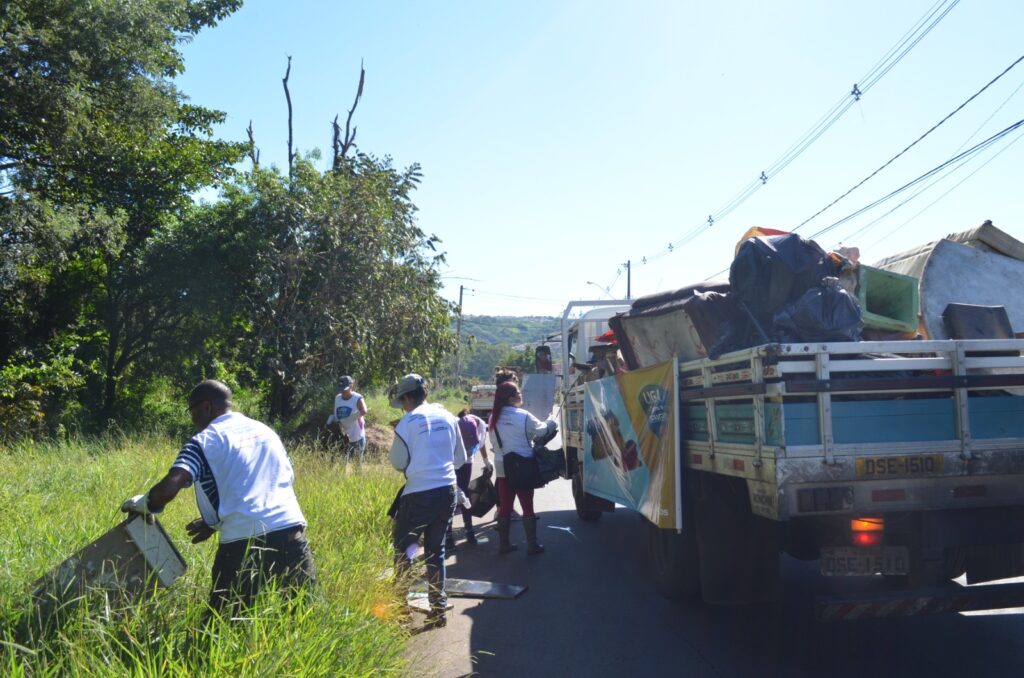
(511, 330)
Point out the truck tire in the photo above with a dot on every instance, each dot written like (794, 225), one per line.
(739, 552)
(674, 561)
(585, 514)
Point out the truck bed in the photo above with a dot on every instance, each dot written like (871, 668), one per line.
(817, 429)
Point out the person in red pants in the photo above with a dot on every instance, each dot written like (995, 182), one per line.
(512, 430)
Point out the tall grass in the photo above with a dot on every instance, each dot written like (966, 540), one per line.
(57, 497)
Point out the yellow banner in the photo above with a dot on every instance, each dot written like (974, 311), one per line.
(631, 442)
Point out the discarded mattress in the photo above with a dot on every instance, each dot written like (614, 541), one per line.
(955, 273)
(684, 322)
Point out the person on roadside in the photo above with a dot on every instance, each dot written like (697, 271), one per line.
(474, 434)
(243, 483)
(512, 430)
(349, 412)
(427, 449)
(501, 376)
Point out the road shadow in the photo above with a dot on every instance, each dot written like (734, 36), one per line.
(591, 609)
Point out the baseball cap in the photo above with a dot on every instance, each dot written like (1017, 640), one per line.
(408, 384)
(346, 382)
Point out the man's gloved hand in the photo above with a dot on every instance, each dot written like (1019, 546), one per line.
(138, 504)
(488, 467)
(199, 530)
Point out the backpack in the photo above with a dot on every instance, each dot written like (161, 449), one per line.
(467, 427)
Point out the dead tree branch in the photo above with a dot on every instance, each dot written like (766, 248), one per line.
(254, 153)
(288, 97)
(336, 142)
(350, 132)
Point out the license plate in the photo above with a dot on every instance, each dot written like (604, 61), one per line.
(849, 561)
(888, 467)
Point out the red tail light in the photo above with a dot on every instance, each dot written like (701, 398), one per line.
(867, 531)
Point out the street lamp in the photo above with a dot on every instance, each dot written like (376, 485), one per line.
(600, 287)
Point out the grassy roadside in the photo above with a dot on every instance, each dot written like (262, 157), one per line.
(55, 498)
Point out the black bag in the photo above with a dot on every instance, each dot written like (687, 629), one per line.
(824, 313)
(521, 473)
(550, 463)
(482, 495)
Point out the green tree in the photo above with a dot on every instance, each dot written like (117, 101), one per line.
(325, 273)
(99, 153)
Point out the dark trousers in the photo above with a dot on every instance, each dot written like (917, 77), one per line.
(242, 567)
(462, 476)
(426, 513)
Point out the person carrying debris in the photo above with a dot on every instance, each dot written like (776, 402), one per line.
(243, 482)
(349, 410)
(474, 432)
(427, 449)
(512, 432)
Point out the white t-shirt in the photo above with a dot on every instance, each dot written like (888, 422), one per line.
(243, 478)
(427, 448)
(518, 428)
(346, 413)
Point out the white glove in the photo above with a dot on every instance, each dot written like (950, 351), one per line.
(461, 499)
(138, 504)
(488, 466)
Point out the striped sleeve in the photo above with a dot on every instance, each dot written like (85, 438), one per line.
(192, 459)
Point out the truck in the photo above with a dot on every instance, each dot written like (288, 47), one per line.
(896, 463)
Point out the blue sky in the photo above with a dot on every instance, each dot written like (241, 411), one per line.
(560, 139)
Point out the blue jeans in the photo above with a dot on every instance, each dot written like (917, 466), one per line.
(426, 513)
(356, 447)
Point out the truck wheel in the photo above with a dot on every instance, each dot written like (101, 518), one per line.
(739, 552)
(580, 498)
(674, 561)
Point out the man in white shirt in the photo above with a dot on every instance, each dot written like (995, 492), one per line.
(427, 449)
(243, 483)
(349, 410)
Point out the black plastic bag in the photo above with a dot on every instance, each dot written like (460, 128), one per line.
(773, 271)
(482, 495)
(550, 463)
(823, 313)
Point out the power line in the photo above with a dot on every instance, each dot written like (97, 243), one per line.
(867, 227)
(896, 53)
(512, 296)
(950, 190)
(914, 143)
(971, 151)
(956, 162)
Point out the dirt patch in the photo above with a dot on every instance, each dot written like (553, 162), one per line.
(379, 438)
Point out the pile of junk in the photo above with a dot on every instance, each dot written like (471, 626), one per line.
(785, 289)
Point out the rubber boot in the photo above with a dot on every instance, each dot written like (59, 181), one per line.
(504, 545)
(530, 525)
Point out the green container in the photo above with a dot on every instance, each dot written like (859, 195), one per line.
(888, 301)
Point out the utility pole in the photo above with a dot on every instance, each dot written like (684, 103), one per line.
(458, 335)
(629, 275)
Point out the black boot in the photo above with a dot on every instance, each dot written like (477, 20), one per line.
(530, 525)
(504, 545)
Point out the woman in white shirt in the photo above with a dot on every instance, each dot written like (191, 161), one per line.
(512, 430)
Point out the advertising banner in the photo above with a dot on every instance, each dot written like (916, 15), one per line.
(631, 442)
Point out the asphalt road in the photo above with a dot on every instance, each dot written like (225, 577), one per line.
(591, 610)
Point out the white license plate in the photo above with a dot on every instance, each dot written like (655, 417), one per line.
(848, 561)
